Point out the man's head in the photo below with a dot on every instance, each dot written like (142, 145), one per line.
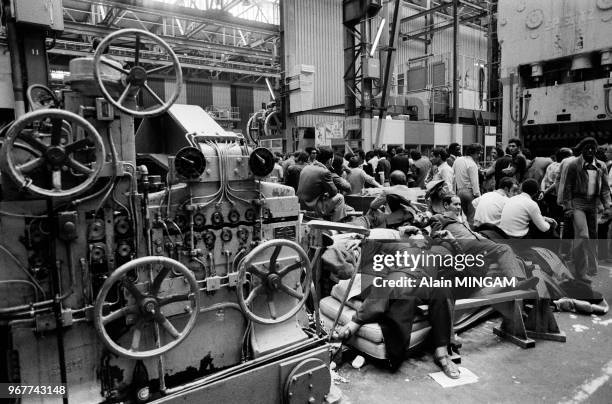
(397, 177)
(399, 150)
(354, 162)
(302, 157)
(452, 204)
(509, 186)
(587, 148)
(563, 153)
(361, 154)
(383, 154)
(337, 163)
(454, 149)
(439, 156)
(325, 154)
(415, 155)
(530, 187)
(514, 146)
(297, 153)
(474, 150)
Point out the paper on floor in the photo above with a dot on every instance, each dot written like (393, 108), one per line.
(467, 377)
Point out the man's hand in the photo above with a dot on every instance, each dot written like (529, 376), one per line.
(408, 230)
(568, 213)
(445, 235)
(508, 170)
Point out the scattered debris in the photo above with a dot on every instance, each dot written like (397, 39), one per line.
(579, 327)
(336, 378)
(573, 316)
(358, 362)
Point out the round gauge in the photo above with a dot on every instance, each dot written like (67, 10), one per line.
(234, 216)
(199, 220)
(209, 239)
(217, 218)
(243, 234)
(261, 162)
(189, 163)
(122, 225)
(249, 215)
(226, 235)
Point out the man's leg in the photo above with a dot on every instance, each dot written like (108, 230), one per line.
(334, 208)
(581, 241)
(591, 244)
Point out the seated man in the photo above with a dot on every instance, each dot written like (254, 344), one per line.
(474, 243)
(489, 206)
(397, 179)
(393, 307)
(521, 216)
(316, 189)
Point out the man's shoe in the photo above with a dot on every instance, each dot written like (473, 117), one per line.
(592, 271)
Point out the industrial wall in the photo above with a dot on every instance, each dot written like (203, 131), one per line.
(313, 35)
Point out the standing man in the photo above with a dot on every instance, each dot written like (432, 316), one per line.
(454, 151)
(466, 179)
(422, 166)
(442, 170)
(518, 161)
(583, 185)
(383, 168)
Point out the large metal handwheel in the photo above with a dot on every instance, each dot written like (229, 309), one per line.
(45, 131)
(253, 127)
(136, 77)
(145, 308)
(265, 267)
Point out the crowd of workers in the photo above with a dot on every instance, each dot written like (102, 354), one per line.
(514, 196)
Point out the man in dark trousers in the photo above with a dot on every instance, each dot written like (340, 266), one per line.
(583, 185)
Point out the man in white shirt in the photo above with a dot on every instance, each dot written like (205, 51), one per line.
(521, 215)
(489, 206)
(466, 179)
(442, 170)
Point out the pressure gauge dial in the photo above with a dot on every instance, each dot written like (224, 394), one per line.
(226, 235)
(234, 216)
(189, 163)
(217, 218)
(261, 162)
(209, 239)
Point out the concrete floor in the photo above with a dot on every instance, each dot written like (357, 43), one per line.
(579, 370)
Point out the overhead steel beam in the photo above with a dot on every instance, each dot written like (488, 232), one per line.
(409, 36)
(212, 17)
(88, 29)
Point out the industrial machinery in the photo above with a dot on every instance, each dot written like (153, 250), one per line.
(264, 123)
(129, 288)
(556, 71)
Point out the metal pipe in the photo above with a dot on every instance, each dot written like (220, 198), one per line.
(57, 307)
(386, 79)
(16, 63)
(455, 62)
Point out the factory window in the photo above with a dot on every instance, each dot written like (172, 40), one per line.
(400, 83)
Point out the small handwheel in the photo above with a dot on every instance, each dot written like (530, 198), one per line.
(77, 162)
(265, 267)
(135, 79)
(145, 308)
(40, 97)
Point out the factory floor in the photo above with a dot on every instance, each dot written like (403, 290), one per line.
(578, 371)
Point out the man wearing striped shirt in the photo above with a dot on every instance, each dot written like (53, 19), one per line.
(466, 179)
